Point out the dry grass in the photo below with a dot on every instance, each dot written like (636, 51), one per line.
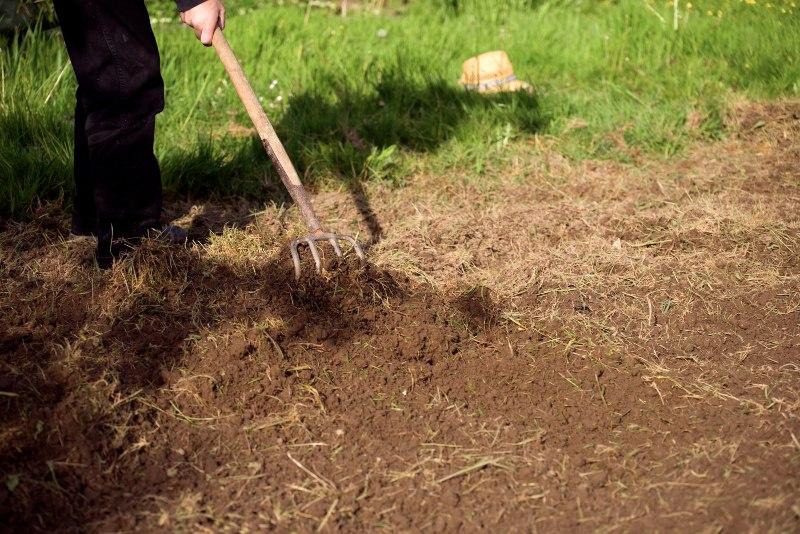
(640, 306)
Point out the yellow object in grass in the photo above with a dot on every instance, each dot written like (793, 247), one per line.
(492, 72)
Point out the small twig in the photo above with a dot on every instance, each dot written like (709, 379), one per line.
(571, 381)
(327, 515)
(277, 347)
(190, 418)
(196, 100)
(650, 243)
(474, 467)
(794, 439)
(656, 13)
(121, 401)
(58, 80)
(653, 385)
(313, 475)
(675, 5)
(601, 389)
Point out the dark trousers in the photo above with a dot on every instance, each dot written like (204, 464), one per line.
(120, 91)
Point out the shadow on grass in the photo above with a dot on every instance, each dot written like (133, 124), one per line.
(359, 136)
(340, 133)
(356, 135)
(352, 134)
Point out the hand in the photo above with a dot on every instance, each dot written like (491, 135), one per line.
(204, 19)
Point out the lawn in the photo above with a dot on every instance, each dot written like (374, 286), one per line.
(375, 95)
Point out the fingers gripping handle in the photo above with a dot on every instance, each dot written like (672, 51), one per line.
(272, 145)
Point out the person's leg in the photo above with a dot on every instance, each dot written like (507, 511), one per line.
(115, 59)
(84, 214)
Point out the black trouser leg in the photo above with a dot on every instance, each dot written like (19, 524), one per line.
(84, 214)
(120, 91)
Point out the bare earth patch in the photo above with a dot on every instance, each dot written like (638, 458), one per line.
(587, 346)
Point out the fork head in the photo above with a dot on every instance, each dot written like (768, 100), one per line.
(311, 240)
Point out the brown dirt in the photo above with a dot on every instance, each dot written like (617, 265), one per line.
(586, 346)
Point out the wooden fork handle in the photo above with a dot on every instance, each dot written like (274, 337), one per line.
(272, 145)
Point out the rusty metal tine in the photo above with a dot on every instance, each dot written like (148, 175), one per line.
(295, 258)
(315, 253)
(356, 246)
(335, 245)
(359, 251)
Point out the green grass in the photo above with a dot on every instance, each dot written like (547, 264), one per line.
(603, 71)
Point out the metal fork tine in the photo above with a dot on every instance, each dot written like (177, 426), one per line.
(356, 246)
(310, 241)
(295, 258)
(335, 246)
(359, 250)
(315, 253)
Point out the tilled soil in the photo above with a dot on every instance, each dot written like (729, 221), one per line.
(593, 347)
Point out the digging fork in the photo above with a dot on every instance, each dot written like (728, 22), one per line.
(280, 159)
